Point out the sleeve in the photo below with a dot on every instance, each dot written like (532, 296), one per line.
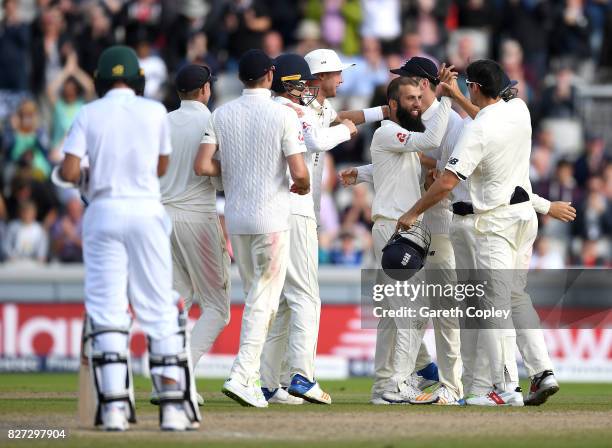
(429, 140)
(165, 146)
(209, 132)
(76, 140)
(319, 139)
(293, 139)
(540, 204)
(468, 152)
(333, 115)
(365, 173)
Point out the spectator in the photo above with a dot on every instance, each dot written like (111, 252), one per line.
(594, 214)
(545, 258)
(246, 24)
(345, 251)
(570, 35)
(66, 233)
(154, 68)
(272, 44)
(26, 239)
(512, 62)
(49, 45)
(25, 188)
(75, 87)
(198, 52)
(3, 218)
(381, 21)
(14, 45)
(590, 256)
(593, 161)
(476, 13)
(96, 36)
(559, 100)
(542, 157)
(369, 72)
(26, 140)
(411, 46)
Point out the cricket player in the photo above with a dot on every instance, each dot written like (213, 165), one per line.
(494, 151)
(530, 341)
(293, 335)
(257, 139)
(127, 247)
(439, 266)
(201, 263)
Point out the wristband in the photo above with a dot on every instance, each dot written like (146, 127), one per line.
(373, 114)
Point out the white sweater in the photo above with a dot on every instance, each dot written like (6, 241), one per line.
(254, 135)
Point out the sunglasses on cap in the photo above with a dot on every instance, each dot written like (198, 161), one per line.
(468, 82)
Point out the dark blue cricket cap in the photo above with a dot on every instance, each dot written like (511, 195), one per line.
(253, 65)
(192, 77)
(507, 83)
(421, 67)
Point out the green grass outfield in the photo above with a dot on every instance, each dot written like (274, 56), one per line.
(579, 415)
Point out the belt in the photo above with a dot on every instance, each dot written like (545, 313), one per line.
(463, 208)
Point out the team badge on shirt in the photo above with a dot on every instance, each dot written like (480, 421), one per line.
(402, 137)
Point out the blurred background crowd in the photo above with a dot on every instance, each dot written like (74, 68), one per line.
(560, 51)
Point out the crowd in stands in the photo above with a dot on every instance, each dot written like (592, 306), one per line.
(554, 48)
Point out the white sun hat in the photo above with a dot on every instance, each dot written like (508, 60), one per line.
(324, 60)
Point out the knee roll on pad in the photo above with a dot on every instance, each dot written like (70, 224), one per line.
(170, 357)
(101, 357)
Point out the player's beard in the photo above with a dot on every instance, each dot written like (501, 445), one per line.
(409, 121)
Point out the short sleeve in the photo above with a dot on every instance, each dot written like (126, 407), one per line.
(209, 132)
(468, 152)
(293, 138)
(76, 140)
(165, 146)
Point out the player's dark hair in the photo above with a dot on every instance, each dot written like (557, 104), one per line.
(394, 86)
(488, 74)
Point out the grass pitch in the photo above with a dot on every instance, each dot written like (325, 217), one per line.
(578, 415)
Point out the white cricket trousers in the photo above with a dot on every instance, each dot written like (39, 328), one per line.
(388, 364)
(504, 239)
(295, 330)
(126, 247)
(201, 272)
(440, 270)
(476, 376)
(262, 262)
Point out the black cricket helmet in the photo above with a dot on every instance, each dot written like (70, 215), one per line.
(406, 252)
(291, 75)
(119, 63)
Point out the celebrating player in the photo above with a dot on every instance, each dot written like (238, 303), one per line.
(257, 139)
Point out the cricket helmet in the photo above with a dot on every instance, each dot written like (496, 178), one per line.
(406, 252)
(291, 76)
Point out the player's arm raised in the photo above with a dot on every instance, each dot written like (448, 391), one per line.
(369, 115)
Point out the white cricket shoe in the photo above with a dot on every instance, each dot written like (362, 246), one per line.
(281, 396)
(154, 398)
(406, 391)
(174, 418)
(440, 396)
(377, 399)
(543, 386)
(250, 395)
(308, 390)
(114, 417)
(497, 398)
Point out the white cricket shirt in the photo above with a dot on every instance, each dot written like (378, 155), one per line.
(493, 151)
(325, 116)
(180, 187)
(254, 135)
(396, 168)
(438, 218)
(123, 135)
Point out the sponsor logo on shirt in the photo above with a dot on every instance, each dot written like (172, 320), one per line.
(301, 137)
(406, 259)
(453, 161)
(305, 126)
(402, 137)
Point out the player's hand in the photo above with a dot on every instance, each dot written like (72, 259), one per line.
(299, 190)
(563, 211)
(348, 177)
(405, 221)
(349, 124)
(298, 110)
